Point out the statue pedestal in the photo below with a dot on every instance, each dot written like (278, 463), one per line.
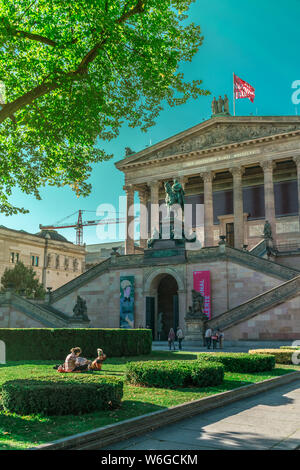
(194, 329)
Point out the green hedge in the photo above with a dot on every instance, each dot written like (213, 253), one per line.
(55, 344)
(282, 356)
(174, 374)
(240, 362)
(290, 347)
(47, 397)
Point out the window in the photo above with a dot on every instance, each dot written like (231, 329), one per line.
(34, 260)
(14, 257)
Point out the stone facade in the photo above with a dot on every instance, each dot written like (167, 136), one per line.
(11, 317)
(232, 284)
(279, 323)
(55, 260)
(253, 157)
(243, 288)
(242, 171)
(99, 252)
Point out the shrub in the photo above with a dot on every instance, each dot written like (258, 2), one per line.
(240, 362)
(174, 374)
(290, 347)
(282, 356)
(55, 344)
(60, 397)
(23, 279)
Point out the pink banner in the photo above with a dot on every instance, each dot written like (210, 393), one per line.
(202, 285)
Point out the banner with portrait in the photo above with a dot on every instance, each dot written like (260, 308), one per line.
(126, 301)
(201, 281)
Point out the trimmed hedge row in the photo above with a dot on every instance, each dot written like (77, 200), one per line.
(240, 362)
(46, 397)
(282, 356)
(174, 374)
(290, 347)
(55, 343)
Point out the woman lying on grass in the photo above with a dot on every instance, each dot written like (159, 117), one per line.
(75, 363)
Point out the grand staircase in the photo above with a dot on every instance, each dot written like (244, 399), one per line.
(257, 305)
(43, 313)
(48, 315)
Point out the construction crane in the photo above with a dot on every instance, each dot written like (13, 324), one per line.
(80, 224)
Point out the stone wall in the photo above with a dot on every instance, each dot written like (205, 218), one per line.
(279, 323)
(231, 285)
(102, 296)
(292, 261)
(10, 317)
(26, 245)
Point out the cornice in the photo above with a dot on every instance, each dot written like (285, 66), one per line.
(16, 236)
(207, 151)
(205, 125)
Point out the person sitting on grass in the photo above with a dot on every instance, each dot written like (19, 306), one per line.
(74, 363)
(97, 363)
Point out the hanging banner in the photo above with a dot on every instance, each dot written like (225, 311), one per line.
(126, 301)
(201, 280)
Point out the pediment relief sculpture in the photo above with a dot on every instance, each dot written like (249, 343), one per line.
(221, 134)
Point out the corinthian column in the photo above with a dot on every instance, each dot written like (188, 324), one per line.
(238, 211)
(297, 161)
(143, 196)
(267, 167)
(154, 191)
(208, 208)
(129, 241)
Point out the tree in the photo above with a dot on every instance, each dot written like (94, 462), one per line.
(23, 280)
(74, 72)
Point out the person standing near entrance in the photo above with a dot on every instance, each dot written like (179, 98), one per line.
(208, 334)
(171, 339)
(180, 337)
(214, 338)
(159, 325)
(221, 338)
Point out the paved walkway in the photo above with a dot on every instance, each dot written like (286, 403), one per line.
(269, 420)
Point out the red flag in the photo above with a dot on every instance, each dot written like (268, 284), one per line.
(242, 89)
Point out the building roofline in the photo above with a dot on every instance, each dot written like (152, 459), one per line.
(41, 239)
(130, 160)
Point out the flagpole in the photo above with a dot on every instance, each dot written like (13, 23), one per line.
(233, 97)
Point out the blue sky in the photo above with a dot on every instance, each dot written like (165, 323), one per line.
(258, 40)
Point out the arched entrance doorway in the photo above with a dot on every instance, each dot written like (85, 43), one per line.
(167, 304)
(162, 298)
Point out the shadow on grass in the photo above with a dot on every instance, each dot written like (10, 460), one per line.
(30, 431)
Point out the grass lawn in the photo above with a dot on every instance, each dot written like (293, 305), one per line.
(21, 432)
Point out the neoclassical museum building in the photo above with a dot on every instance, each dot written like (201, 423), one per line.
(243, 171)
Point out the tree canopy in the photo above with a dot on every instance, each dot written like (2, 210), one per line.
(23, 280)
(74, 72)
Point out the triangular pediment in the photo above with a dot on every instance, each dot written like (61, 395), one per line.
(215, 133)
